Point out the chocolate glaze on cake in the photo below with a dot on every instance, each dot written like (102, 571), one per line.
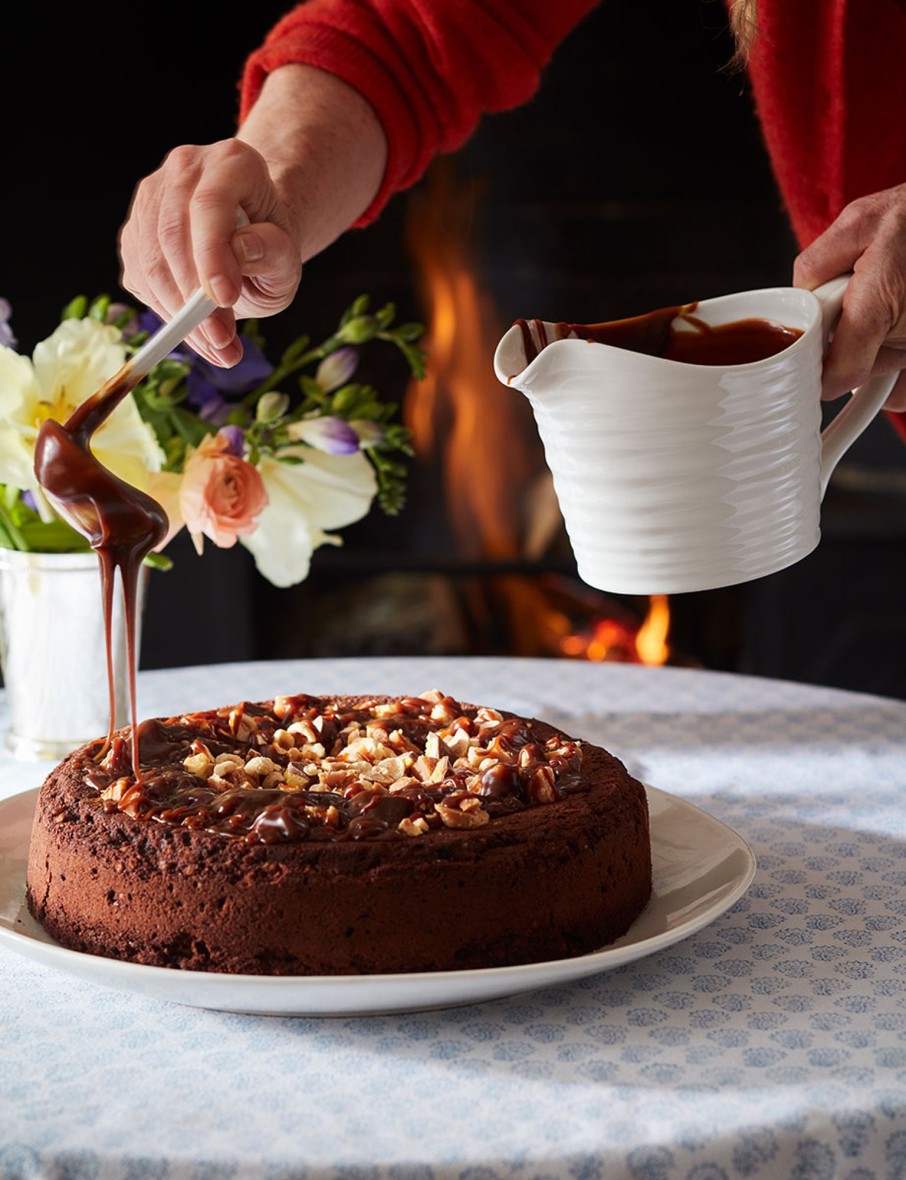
(350, 835)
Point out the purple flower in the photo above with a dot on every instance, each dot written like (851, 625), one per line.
(235, 437)
(131, 326)
(149, 321)
(209, 388)
(209, 404)
(336, 369)
(7, 336)
(333, 435)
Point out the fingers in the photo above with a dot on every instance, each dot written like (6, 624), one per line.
(217, 340)
(230, 184)
(269, 261)
(179, 235)
(869, 240)
(155, 242)
(835, 251)
(871, 309)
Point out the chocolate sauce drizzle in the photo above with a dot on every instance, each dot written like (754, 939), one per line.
(121, 524)
(658, 333)
(309, 793)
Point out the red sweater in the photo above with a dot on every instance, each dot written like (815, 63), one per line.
(828, 80)
(429, 69)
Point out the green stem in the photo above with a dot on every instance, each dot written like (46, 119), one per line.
(44, 510)
(11, 530)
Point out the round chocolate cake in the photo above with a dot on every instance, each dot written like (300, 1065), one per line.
(350, 835)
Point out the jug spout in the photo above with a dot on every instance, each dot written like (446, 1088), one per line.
(522, 344)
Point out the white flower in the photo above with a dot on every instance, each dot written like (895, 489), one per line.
(66, 368)
(305, 499)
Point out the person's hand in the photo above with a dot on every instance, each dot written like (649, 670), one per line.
(211, 216)
(869, 239)
(241, 217)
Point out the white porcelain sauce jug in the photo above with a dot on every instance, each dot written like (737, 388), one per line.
(675, 475)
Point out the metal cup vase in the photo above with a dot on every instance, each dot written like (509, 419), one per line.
(53, 652)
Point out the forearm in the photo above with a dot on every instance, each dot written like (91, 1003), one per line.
(324, 147)
(428, 70)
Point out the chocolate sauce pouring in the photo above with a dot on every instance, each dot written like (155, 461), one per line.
(121, 524)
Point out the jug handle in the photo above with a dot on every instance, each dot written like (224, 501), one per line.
(864, 403)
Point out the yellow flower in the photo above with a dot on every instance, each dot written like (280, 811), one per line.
(66, 368)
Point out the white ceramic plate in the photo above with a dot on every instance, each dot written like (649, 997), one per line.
(701, 867)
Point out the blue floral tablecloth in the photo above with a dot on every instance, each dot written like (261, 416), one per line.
(770, 1044)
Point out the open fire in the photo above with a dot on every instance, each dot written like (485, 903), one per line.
(498, 494)
(614, 639)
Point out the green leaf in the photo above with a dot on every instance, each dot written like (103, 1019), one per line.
(53, 537)
(99, 307)
(356, 308)
(159, 561)
(345, 400)
(75, 309)
(262, 413)
(386, 315)
(409, 332)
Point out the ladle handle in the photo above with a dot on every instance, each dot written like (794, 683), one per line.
(196, 308)
(865, 402)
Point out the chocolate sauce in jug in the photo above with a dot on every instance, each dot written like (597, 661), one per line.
(658, 333)
(122, 524)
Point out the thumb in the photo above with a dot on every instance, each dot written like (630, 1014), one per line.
(271, 268)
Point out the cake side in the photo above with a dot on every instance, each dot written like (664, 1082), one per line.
(533, 882)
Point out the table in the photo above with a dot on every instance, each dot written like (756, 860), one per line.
(771, 1043)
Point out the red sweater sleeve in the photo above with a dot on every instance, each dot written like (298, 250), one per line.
(829, 82)
(429, 70)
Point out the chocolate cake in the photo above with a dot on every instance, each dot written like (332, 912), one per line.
(351, 835)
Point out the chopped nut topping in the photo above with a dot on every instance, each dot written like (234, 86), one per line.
(303, 767)
(292, 778)
(261, 766)
(200, 764)
(453, 817)
(242, 724)
(413, 827)
(117, 789)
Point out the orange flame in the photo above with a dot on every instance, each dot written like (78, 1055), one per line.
(614, 640)
(482, 433)
(651, 638)
(483, 436)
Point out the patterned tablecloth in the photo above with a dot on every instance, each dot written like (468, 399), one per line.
(771, 1043)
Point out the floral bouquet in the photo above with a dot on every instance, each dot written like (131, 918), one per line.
(274, 456)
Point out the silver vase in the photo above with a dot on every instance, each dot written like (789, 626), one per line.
(53, 652)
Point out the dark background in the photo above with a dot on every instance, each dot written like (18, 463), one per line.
(635, 179)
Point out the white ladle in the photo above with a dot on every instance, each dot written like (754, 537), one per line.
(196, 308)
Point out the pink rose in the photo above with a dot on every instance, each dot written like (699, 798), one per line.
(221, 494)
